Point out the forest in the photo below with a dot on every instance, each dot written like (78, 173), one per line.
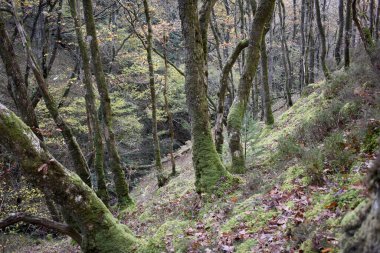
(190, 126)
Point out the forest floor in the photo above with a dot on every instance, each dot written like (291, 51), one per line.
(306, 172)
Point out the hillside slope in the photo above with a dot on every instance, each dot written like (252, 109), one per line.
(305, 173)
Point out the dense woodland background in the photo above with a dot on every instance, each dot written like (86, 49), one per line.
(189, 126)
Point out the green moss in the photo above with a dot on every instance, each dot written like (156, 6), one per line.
(235, 116)
(353, 217)
(246, 246)
(308, 247)
(173, 231)
(291, 174)
(210, 174)
(254, 218)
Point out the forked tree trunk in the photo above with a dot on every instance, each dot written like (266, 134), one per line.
(91, 106)
(99, 231)
(156, 142)
(222, 93)
(209, 170)
(121, 184)
(239, 106)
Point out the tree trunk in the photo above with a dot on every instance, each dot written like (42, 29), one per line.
(285, 55)
(167, 109)
(121, 184)
(222, 93)
(338, 46)
(377, 22)
(209, 170)
(239, 106)
(322, 38)
(269, 119)
(347, 34)
(94, 122)
(371, 16)
(16, 85)
(99, 230)
(372, 51)
(156, 142)
(362, 230)
(74, 149)
(303, 46)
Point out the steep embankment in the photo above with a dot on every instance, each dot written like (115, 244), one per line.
(305, 174)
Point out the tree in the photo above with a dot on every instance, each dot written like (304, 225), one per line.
(239, 106)
(369, 45)
(269, 119)
(209, 170)
(157, 153)
(285, 55)
(347, 34)
(167, 109)
(219, 139)
(322, 37)
(121, 184)
(16, 85)
(72, 144)
(96, 230)
(338, 46)
(91, 106)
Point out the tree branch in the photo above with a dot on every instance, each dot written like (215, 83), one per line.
(43, 222)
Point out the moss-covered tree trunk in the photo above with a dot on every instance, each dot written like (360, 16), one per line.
(156, 142)
(99, 230)
(322, 37)
(222, 93)
(121, 184)
(239, 106)
(91, 106)
(75, 151)
(209, 170)
(362, 226)
(269, 119)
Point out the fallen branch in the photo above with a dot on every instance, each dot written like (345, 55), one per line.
(59, 227)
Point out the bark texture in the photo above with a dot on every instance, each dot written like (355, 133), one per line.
(362, 226)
